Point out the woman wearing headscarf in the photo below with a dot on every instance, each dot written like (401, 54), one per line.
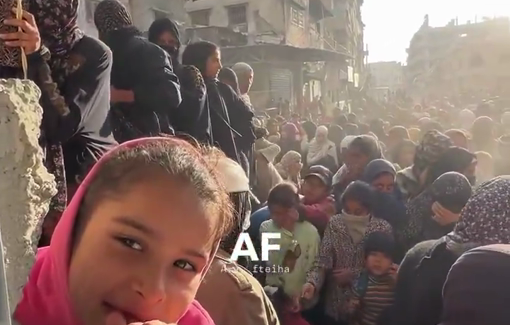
(231, 119)
(321, 151)
(423, 271)
(411, 179)
(144, 88)
(451, 190)
(475, 290)
(290, 167)
(455, 159)
(192, 115)
(290, 139)
(388, 204)
(73, 71)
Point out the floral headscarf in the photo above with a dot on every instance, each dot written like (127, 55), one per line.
(431, 147)
(449, 189)
(58, 25)
(485, 218)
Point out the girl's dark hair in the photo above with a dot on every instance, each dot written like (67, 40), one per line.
(359, 191)
(241, 209)
(172, 157)
(197, 54)
(285, 195)
(229, 77)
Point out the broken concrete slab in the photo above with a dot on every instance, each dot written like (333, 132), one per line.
(26, 187)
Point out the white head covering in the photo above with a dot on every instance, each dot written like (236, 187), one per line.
(234, 178)
(318, 150)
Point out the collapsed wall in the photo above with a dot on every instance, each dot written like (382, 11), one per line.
(26, 187)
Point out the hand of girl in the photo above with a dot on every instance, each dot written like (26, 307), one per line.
(343, 276)
(394, 272)
(444, 216)
(308, 291)
(28, 37)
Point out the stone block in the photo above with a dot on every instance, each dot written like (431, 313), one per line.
(26, 187)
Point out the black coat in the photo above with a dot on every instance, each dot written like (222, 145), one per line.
(421, 276)
(144, 68)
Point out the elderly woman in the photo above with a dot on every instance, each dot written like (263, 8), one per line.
(322, 151)
(290, 167)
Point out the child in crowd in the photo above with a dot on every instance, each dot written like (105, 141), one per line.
(135, 242)
(341, 255)
(373, 290)
(299, 245)
(317, 203)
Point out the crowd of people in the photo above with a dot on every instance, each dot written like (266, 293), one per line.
(388, 215)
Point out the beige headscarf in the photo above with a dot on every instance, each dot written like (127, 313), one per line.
(356, 226)
(320, 149)
(288, 159)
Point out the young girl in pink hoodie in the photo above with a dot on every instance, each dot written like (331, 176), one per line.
(134, 243)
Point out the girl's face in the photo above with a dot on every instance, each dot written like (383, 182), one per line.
(321, 137)
(213, 65)
(355, 207)
(384, 183)
(295, 168)
(355, 159)
(142, 255)
(168, 40)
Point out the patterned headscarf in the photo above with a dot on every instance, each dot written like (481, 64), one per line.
(58, 24)
(431, 147)
(450, 188)
(486, 216)
(111, 15)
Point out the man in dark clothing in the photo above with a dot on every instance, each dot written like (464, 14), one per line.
(144, 87)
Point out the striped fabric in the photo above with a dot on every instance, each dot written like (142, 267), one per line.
(378, 296)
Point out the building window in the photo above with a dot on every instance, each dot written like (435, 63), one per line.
(297, 17)
(200, 17)
(237, 15)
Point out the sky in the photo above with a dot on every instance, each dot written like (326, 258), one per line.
(390, 24)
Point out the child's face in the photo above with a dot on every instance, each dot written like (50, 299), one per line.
(313, 189)
(142, 255)
(384, 183)
(378, 263)
(355, 207)
(283, 216)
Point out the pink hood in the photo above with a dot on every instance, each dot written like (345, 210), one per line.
(45, 298)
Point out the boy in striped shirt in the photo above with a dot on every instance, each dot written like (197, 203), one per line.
(373, 291)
